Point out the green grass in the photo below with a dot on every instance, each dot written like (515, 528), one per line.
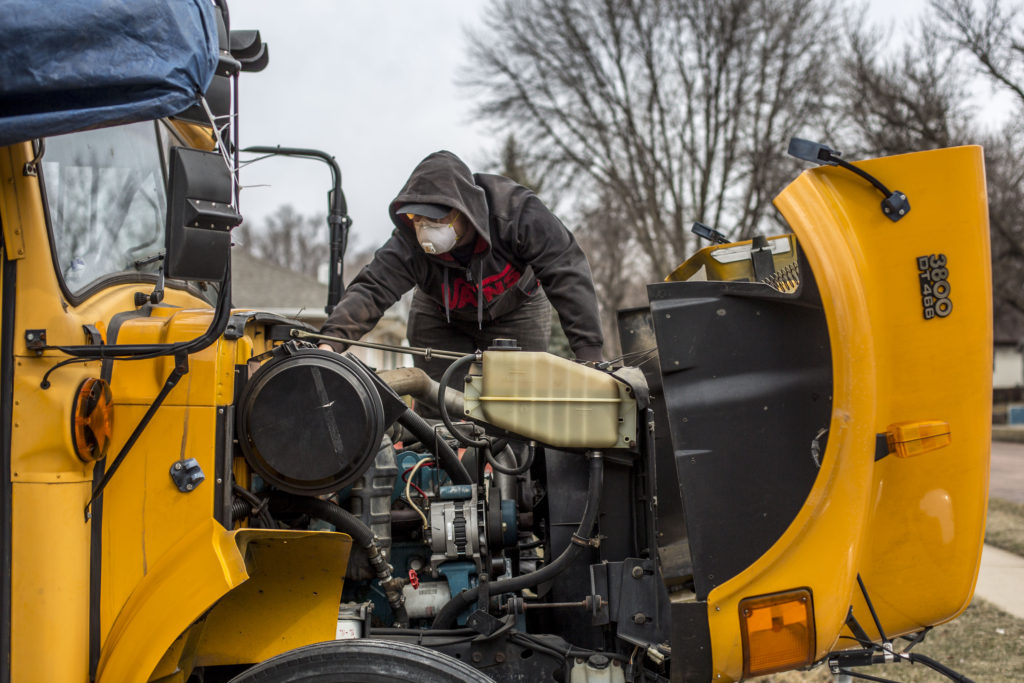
(984, 644)
(1005, 528)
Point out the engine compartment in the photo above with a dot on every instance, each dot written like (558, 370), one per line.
(520, 553)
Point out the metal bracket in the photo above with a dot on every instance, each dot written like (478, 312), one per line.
(35, 340)
(483, 623)
(187, 475)
(92, 335)
(31, 168)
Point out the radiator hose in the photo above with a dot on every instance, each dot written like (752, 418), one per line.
(446, 457)
(346, 522)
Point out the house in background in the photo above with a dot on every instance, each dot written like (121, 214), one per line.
(1008, 374)
(265, 286)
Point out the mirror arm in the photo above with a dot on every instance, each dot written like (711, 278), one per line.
(338, 220)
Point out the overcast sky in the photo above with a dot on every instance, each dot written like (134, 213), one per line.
(373, 84)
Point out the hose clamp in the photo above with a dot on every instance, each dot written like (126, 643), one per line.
(593, 542)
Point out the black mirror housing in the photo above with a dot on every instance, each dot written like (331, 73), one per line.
(815, 152)
(199, 216)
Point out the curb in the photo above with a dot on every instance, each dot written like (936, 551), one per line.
(1000, 579)
(1013, 434)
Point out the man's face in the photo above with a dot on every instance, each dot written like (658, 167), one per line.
(453, 218)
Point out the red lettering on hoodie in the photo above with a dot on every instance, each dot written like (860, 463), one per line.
(463, 293)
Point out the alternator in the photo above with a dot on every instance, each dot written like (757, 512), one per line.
(456, 532)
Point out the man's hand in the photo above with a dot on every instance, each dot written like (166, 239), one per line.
(325, 346)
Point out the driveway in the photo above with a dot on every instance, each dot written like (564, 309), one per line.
(1007, 475)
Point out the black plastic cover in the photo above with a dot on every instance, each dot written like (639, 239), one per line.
(199, 216)
(747, 384)
(310, 421)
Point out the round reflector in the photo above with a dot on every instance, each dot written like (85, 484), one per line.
(93, 422)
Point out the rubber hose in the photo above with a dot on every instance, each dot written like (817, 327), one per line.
(447, 458)
(442, 409)
(342, 519)
(258, 505)
(448, 614)
(938, 666)
(348, 523)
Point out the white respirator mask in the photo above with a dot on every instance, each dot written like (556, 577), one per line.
(437, 238)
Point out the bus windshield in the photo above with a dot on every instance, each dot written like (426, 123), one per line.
(106, 195)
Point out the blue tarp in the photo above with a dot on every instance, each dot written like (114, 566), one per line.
(72, 64)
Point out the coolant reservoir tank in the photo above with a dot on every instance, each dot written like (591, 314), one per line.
(552, 400)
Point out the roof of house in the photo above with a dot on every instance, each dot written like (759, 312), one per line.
(256, 283)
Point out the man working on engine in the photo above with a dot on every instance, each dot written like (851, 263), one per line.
(485, 256)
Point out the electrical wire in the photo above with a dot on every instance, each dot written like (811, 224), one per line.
(643, 354)
(45, 384)
(405, 478)
(408, 496)
(536, 643)
(866, 677)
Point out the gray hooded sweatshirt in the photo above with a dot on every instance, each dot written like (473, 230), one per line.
(519, 245)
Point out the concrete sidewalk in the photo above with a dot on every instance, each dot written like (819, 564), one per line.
(1001, 580)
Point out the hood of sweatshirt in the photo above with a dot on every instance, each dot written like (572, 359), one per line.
(443, 178)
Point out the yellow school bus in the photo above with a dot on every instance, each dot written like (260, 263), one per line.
(788, 469)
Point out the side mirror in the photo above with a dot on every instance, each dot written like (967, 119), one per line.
(199, 216)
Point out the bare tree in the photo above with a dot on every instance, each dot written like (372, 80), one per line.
(674, 111)
(1005, 179)
(515, 162)
(912, 101)
(619, 279)
(993, 36)
(288, 239)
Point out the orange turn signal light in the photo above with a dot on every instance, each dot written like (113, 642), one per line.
(777, 632)
(907, 439)
(93, 424)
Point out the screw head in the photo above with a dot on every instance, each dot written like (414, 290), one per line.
(638, 572)
(177, 466)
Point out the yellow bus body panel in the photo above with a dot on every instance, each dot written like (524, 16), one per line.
(49, 590)
(266, 592)
(911, 527)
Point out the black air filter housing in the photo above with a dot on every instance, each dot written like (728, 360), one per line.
(310, 421)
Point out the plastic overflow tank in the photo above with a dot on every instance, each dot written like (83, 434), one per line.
(552, 400)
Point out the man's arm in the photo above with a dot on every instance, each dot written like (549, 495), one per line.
(378, 285)
(562, 268)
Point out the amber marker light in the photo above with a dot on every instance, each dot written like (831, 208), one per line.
(907, 439)
(93, 421)
(777, 632)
